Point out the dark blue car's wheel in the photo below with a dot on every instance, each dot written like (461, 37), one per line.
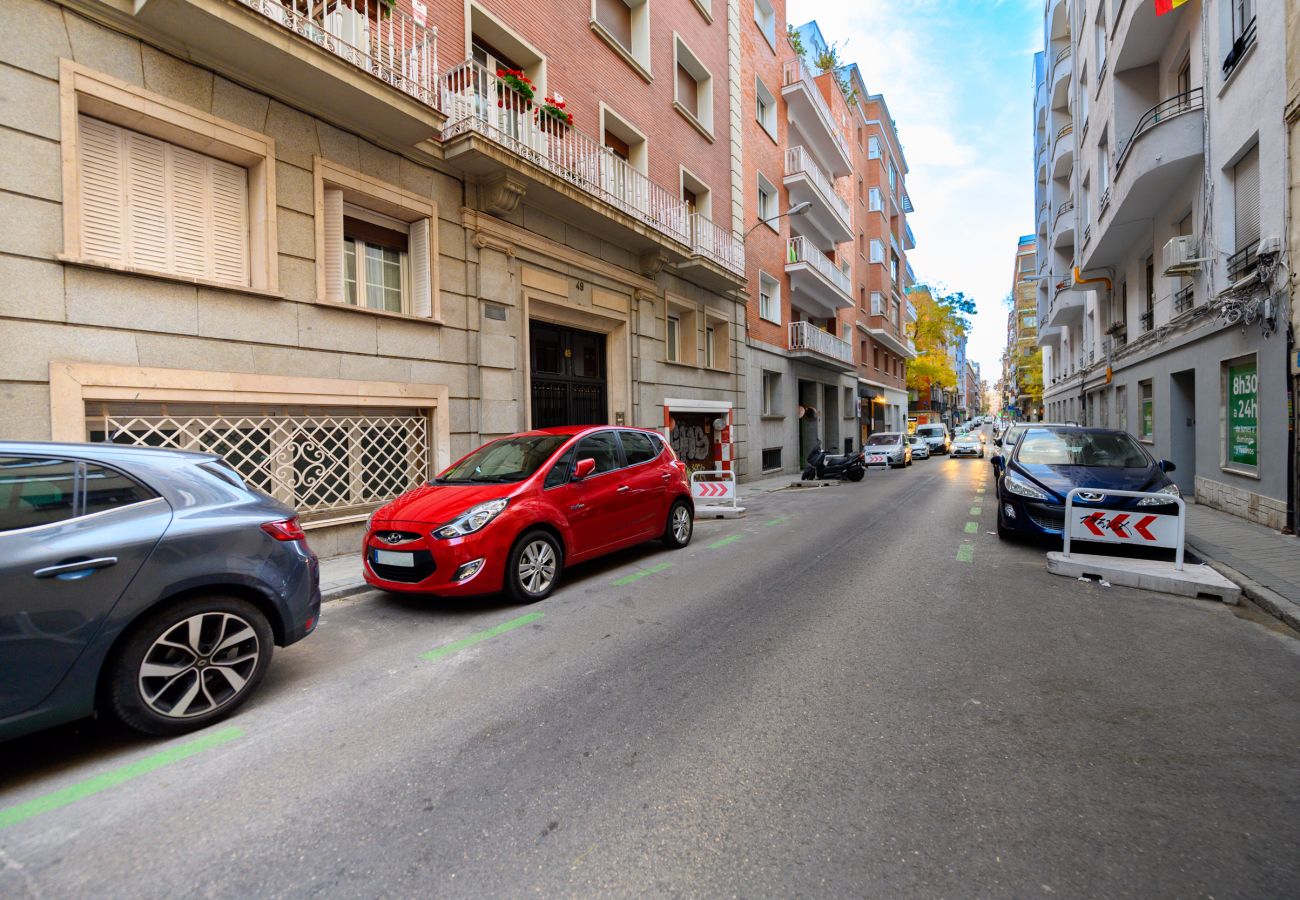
(189, 664)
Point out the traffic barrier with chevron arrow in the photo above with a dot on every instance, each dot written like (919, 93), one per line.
(714, 493)
(1138, 529)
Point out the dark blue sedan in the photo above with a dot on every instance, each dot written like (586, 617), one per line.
(1048, 461)
(146, 584)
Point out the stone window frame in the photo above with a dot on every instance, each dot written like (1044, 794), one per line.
(720, 348)
(381, 197)
(687, 315)
(84, 91)
(686, 58)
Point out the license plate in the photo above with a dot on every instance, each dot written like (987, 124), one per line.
(395, 558)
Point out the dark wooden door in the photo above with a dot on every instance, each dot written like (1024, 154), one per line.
(568, 376)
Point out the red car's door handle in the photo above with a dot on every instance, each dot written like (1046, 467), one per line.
(665, 476)
(623, 489)
(578, 506)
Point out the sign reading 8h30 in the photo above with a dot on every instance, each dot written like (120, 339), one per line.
(1114, 527)
(1243, 414)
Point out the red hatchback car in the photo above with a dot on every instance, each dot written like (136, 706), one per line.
(512, 514)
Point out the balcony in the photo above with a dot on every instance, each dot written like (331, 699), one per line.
(811, 115)
(909, 239)
(496, 135)
(1063, 151)
(911, 311)
(829, 213)
(816, 279)
(359, 64)
(820, 347)
(1139, 36)
(1165, 148)
(1067, 304)
(1063, 226)
(1062, 70)
(891, 336)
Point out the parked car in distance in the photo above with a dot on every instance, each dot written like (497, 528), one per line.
(936, 436)
(888, 448)
(145, 584)
(511, 515)
(1050, 460)
(968, 445)
(920, 449)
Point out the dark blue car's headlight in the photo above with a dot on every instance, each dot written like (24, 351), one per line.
(1170, 489)
(1014, 484)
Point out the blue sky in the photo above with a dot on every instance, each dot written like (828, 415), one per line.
(957, 76)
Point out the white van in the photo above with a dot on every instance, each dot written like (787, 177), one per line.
(936, 436)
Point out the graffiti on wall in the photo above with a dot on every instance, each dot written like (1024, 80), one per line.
(691, 436)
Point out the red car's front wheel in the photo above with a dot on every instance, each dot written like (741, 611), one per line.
(533, 568)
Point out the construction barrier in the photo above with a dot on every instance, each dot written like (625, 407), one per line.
(714, 492)
(1134, 527)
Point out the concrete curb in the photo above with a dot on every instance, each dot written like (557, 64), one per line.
(1265, 598)
(347, 590)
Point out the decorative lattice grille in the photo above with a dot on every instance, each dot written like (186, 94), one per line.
(315, 463)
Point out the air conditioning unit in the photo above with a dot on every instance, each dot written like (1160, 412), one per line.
(1180, 256)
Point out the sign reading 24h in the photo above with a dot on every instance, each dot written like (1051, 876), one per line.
(1243, 414)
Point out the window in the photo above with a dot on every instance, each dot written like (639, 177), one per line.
(708, 346)
(559, 473)
(109, 489)
(1145, 412)
(717, 353)
(875, 358)
(625, 26)
(625, 142)
(893, 180)
(377, 250)
(874, 200)
(1103, 168)
(877, 251)
(1243, 14)
(603, 448)
(37, 492)
(693, 93)
(877, 303)
(638, 447)
(696, 194)
(1031, 321)
(1083, 98)
(682, 344)
(1099, 36)
(769, 298)
(672, 339)
(1149, 300)
(767, 202)
(771, 393)
(154, 205)
(1240, 379)
(765, 18)
(893, 266)
(873, 148)
(771, 459)
(765, 108)
(1245, 194)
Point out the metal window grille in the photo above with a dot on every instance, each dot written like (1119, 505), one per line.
(316, 463)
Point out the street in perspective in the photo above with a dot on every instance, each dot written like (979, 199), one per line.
(757, 448)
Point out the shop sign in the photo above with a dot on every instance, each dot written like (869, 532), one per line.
(1243, 414)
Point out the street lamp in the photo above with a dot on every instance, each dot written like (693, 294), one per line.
(797, 210)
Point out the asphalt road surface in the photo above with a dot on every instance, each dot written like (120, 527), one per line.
(852, 691)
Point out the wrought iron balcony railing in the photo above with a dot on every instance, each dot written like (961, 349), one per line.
(1161, 112)
(1184, 299)
(388, 42)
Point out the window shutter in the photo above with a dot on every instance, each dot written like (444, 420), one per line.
(189, 196)
(418, 258)
(146, 192)
(1245, 179)
(229, 222)
(333, 245)
(102, 187)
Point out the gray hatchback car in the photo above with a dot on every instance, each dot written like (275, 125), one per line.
(146, 584)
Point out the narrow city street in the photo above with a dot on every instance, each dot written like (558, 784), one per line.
(854, 690)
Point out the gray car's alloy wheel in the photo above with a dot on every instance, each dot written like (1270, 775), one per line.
(533, 568)
(189, 664)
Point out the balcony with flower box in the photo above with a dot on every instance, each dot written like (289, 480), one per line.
(515, 143)
(821, 285)
(364, 64)
(819, 347)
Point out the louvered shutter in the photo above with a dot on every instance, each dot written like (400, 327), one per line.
(154, 205)
(1245, 183)
(102, 182)
(421, 280)
(333, 249)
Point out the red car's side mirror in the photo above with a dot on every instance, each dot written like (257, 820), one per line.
(584, 468)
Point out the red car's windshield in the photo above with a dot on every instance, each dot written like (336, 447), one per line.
(509, 459)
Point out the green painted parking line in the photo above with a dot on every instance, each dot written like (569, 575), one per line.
(975, 510)
(637, 576)
(965, 553)
(779, 520)
(457, 646)
(972, 527)
(14, 814)
(729, 539)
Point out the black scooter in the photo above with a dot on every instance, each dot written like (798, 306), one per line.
(821, 465)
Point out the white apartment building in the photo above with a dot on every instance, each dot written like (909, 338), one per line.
(1160, 176)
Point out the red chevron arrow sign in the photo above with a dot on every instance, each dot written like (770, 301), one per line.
(1115, 527)
(715, 490)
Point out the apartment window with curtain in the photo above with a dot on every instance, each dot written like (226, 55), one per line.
(694, 86)
(765, 108)
(877, 303)
(877, 251)
(769, 298)
(375, 260)
(873, 147)
(153, 205)
(771, 393)
(874, 202)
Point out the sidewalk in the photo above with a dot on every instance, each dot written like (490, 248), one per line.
(340, 576)
(1264, 562)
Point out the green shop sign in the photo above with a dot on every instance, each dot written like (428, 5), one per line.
(1243, 415)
